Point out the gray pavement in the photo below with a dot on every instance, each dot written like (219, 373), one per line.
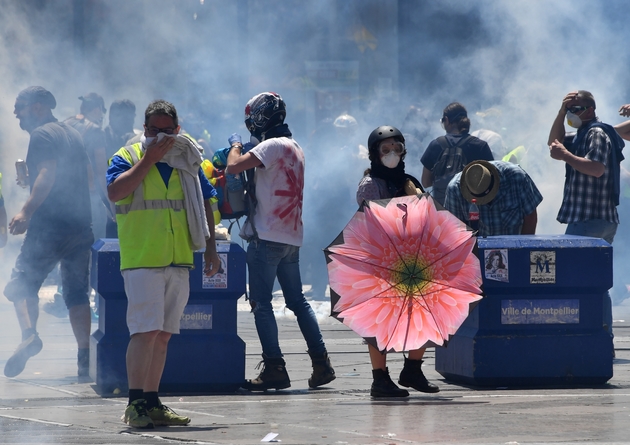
(46, 405)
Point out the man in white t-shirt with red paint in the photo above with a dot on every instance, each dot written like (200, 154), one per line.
(274, 231)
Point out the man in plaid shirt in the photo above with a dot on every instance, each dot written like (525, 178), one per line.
(589, 205)
(591, 188)
(506, 196)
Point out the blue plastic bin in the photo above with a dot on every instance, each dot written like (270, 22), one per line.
(540, 323)
(207, 355)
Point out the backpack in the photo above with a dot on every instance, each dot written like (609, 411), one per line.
(451, 161)
(230, 188)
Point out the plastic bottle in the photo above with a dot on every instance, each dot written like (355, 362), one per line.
(473, 216)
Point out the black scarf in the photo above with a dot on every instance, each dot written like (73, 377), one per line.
(278, 131)
(395, 178)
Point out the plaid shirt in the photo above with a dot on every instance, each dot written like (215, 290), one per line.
(587, 197)
(518, 196)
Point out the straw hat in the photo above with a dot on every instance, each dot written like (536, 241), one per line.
(480, 180)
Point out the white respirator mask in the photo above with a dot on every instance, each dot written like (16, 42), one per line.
(391, 160)
(573, 120)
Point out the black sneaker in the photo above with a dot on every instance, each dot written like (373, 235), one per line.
(27, 349)
(273, 376)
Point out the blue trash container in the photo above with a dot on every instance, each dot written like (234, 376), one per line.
(207, 355)
(540, 323)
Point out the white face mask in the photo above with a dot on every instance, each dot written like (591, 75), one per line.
(149, 140)
(573, 120)
(254, 140)
(391, 160)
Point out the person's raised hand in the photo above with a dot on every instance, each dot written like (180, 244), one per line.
(156, 150)
(569, 100)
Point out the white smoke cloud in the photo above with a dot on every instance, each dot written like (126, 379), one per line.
(208, 57)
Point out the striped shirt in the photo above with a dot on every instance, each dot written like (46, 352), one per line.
(587, 197)
(518, 196)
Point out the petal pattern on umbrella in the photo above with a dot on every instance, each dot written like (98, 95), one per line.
(404, 273)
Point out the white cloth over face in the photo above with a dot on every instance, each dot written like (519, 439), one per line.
(185, 156)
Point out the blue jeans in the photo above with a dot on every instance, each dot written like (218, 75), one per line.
(597, 228)
(266, 261)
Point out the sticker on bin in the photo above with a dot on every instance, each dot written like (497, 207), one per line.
(542, 267)
(196, 316)
(223, 246)
(219, 280)
(540, 311)
(496, 265)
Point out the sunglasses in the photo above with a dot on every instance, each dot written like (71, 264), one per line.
(577, 109)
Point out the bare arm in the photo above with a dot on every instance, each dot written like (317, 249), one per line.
(624, 128)
(237, 163)
(46, 172)
(557, 128)
(427, 177)
(529, 223)
(125, 184)
(213, 263)
(583, 165)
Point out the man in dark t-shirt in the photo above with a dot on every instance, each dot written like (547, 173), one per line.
(457, 126)
(89, 123)
(57, 221)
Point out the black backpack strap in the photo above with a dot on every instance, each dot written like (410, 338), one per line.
(250, 192)
(444, 143)
(463, 141)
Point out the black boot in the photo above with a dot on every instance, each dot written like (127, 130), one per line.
(323, 371)
(412, 376)
(273, 376)
(382, 386)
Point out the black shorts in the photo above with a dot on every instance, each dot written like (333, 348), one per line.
(40, 253)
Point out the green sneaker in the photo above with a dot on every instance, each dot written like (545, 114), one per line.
(164, 416)
(136, 415)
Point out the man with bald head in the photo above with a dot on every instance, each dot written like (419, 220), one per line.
(58, 225)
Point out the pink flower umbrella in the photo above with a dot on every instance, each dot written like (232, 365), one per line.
(403, 274)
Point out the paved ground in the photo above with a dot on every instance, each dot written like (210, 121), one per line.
(46, 405)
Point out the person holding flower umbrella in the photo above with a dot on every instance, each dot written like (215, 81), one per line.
(386, 178)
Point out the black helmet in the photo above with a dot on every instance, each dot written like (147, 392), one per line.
(382, 133)
(264, 111)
